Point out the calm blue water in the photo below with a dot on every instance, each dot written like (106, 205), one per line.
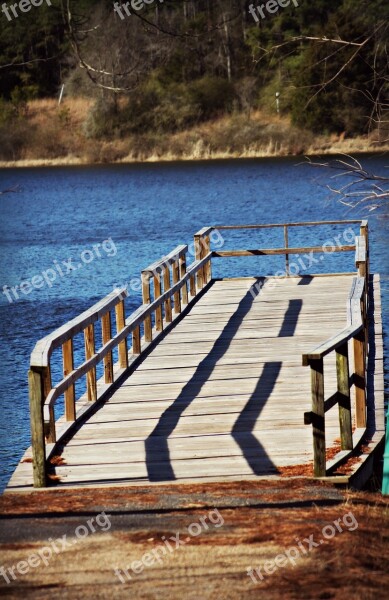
(141, 212)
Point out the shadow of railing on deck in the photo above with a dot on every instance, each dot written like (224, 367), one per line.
(242, 431)
(158, 461)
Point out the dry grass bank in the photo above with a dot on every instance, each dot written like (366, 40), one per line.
(48, 134)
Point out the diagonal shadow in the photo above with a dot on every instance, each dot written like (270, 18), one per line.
(289, 324)
(158, 462)
(242, 431)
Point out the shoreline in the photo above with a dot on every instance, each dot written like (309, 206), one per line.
(75, 161)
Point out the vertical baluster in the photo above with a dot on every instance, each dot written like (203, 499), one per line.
(106, 327)
(136, 342)
(319, 440)
(177, 295)
(343, 377)
(360, 380)
(286, 240)
(182, 275)
(90, 351)
(364, 231)
(208, 266)
(120, 325)
(166, 287)
(68, 367)
(199, 253)
(50, 430)
(147, 300)
(157, 294)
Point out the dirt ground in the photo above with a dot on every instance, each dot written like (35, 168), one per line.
(301, 540)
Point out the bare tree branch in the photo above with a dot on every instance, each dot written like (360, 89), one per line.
(360, 187)
(14, 189)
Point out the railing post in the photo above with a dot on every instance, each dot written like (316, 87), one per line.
(107, 336)
(36, 394)
(68, 367)
(182, 260)
(286, 241)
(166, 287)
(120, 314)
(146, 296)
(360, 380)
(319, 441)
(343, 377)
(177, 295)
(157, 294)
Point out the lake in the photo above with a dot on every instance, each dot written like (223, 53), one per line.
(72, 234)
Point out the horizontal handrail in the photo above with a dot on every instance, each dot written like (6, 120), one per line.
(303, 224)
(169, 259)
(40, 356)
(332, 344)
(277, 251)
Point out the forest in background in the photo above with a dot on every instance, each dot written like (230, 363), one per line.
(191, 76)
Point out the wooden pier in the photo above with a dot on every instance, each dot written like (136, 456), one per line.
(216, 380)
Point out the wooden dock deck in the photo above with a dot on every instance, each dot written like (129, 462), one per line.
(214, 387)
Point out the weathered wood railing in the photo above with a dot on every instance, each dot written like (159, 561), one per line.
(287, 250)
(357, 332)
(165, 292)
(170, 278)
